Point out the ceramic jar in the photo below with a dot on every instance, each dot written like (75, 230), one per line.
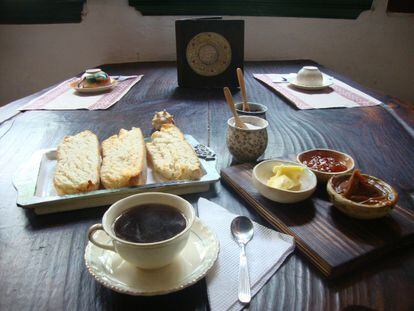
(247, 145)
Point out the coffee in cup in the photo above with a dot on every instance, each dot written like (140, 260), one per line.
(149, 223)
(148, 230)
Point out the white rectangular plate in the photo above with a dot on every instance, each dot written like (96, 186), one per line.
(34, 185)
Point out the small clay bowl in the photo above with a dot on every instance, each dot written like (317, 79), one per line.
(361, 210)
(256, 109)
(264, 170)
(322, 176)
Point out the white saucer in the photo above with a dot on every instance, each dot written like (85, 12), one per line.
(98, 89)
(327, 81)
(196, 259)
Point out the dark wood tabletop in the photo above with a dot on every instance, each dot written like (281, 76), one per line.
(41, 257)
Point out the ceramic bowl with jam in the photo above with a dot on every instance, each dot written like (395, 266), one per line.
(326, 163)
(361, 196)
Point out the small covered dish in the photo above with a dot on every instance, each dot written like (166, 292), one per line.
(92, 81)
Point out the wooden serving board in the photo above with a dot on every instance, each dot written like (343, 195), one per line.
(332, 241)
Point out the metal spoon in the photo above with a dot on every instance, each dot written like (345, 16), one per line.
(123, 78)
(242, 230)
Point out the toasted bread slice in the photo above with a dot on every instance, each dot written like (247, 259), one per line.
(124, 160)
(78, 164)
(171, 156)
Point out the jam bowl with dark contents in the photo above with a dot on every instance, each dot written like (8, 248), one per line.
(361, 196)
(326, 163)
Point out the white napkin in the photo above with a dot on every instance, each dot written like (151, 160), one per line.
(265, 253)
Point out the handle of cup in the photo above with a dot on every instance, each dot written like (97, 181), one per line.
(91, 238)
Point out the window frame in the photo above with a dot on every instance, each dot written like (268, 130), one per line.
(400, 6)
(344, 9)
(41, 11)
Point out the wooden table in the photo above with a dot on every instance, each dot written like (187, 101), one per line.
(41, 257)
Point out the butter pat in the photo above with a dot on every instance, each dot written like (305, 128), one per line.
(287, 177)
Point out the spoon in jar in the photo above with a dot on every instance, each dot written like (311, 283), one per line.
(240, 77)
(229, 99)
(242, 231)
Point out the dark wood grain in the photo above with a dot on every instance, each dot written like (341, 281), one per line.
(333, 242)
(41, 257)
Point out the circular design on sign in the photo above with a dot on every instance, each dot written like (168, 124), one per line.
(208, 54)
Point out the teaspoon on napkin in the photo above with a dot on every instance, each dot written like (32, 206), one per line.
(242, 230)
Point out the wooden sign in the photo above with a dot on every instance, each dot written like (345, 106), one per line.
(209, 50)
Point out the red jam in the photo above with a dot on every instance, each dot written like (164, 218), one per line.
(325, 164)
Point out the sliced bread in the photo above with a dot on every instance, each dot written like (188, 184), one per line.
(171, 156)
(78, 164)
(124, 160)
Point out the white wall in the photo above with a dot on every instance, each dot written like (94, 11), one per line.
(376, 50)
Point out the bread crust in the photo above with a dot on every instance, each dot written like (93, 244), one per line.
(124, 160)
(78, 164)
(171, 156)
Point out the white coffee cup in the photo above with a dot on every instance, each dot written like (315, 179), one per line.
(145, 255)
(309, 76)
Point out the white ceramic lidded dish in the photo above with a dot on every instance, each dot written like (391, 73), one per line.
(145, 255)
(94, 89)
(91, 73)
(310, 78)
(264, 170)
